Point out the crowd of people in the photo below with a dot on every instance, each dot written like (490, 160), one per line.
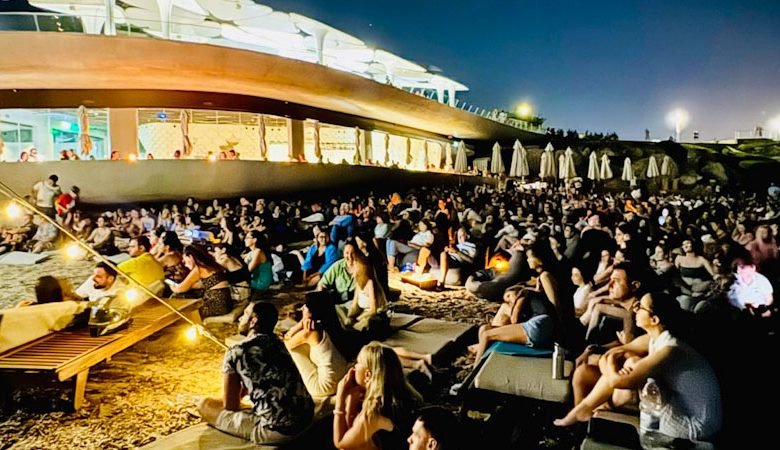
(627, 283)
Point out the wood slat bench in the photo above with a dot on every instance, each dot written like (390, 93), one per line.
(63, 354)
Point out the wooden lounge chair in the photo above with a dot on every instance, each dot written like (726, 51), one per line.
(63, 354)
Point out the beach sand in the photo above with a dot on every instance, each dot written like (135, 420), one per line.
(150, 389)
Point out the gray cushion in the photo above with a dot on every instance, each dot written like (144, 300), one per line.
(23, 258)
(524, 376)
(201, 437)
(429, 336)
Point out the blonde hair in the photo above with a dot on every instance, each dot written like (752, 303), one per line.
(387, 391)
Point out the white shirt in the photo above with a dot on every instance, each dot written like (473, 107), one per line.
(45, 194)
(758, 292)
(423, 238)
(87, 290)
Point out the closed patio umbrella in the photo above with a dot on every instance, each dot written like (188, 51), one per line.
(461, 164)
(448, 157)
(357, 159)
(387, 150)
(652, 167)
(593, 167)
(628, 171)
(261, 136)
(569, 171)
(496, 162)
(561, 167)
(543, 165)
(408, 153)
(316, 138)
(519, 166)
(84, 139)
(666, 166)
(606, 170)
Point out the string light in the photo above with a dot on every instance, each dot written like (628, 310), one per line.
(13, 210)
(132, 295)
(193, 332)
(73, 251)
(78, 246)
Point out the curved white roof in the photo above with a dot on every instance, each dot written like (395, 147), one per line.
(252, 26)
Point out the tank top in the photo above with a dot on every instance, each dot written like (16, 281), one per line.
(329, 361)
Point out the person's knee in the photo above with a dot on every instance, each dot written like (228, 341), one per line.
(209, 409)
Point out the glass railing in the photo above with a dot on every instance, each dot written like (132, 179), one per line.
(205, 33)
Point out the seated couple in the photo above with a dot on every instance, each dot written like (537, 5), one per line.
(689, 388)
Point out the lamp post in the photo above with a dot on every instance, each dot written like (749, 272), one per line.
(678, 119)
(524, 110)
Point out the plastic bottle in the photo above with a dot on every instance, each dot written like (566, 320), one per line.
(650, 406)
(558, 362)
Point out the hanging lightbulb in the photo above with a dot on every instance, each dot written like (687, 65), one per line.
(73, 251)
(132, 295)
(133, 157)
(13, 210)
(192, 332)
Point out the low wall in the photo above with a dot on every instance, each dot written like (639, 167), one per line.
(110, 182)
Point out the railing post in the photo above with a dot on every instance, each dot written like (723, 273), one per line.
(35, 19)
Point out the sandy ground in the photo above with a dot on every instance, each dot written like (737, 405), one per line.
(149, 390)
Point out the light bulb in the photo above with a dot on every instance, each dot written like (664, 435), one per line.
(73, 251)
(132, 295)
(192, 332)
(133, 157)
(212, 158)
(13, 210)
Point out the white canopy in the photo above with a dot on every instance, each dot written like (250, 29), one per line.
(461, 165)
(628, 171)
(568, 171)
(666, 166)
(496, 162)
(519, 167)
(606, 170)
(593, 167)
(652, 167)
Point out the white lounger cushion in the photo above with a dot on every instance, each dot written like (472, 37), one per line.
(524, 376)
(429, 336)
(201, 437)
(22, 325)
(23, 258)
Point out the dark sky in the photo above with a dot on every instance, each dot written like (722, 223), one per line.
(616, 65)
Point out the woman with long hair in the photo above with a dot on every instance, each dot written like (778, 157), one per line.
(689, 387)
(384, 416)
(171, 257)
(258, 261)
(236, 272)
(319, 257)
(216, 290)
(368, 311)
(535, 313)
(313, 345)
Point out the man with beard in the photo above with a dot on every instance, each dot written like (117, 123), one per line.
(261, 367)
(102, 283)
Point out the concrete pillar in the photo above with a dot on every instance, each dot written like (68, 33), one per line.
(123, 131)
(440, 95)
(451, 95)
(295, 139)
(110, 27)
(369, 145)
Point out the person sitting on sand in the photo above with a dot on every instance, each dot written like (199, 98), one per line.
(384, 416)
(319, 257)
(142, 266)
(339, 277)
(535, 314)
(689, 388)
(368, 311)
(258, 261)
(423, 238)
(260, 367)
(217, 300)
(314, 351)
(101, 239)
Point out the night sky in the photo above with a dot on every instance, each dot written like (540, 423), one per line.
(590, 65)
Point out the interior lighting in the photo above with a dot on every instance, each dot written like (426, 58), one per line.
(132, 157)
(774, 127)
(13, 210)
(678, 119)
(212, 157)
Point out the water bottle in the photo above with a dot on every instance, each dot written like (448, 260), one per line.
(558, 362)
(650, 406)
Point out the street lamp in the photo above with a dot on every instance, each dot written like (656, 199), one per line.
(524, 110)
(677, 119)
(774, 127)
